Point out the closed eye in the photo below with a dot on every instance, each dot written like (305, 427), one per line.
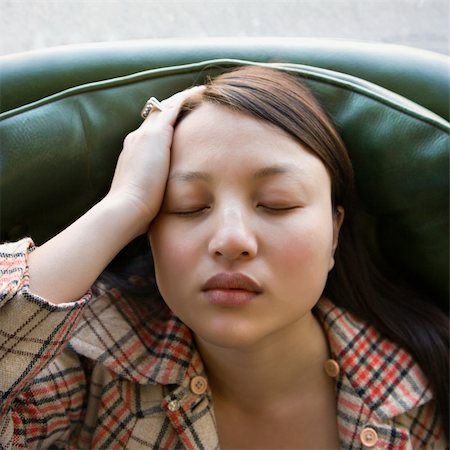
(278, 209)
(191, 212)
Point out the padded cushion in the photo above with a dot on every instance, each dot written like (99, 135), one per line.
(59, 153)
(419, 75)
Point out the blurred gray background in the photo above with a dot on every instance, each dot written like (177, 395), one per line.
(33, 24)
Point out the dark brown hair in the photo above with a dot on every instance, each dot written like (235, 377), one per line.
(355, 283)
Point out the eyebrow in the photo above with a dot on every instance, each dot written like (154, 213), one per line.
(271, 171)
(190, 176)
(264, 172)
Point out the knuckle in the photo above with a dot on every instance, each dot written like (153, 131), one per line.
(148, 133)
(129, 138)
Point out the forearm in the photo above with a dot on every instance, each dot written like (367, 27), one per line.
(65, 267)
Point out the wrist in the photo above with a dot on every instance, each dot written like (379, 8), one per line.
(130, 217)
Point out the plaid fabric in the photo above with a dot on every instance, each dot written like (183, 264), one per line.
(113, 373)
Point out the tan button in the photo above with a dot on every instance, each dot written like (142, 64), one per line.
(332, 368)
(369, 437)
(173, 405)
(198, 385)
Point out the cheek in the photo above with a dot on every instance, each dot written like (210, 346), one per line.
(172, 253)
(305, 252)
(303, 265)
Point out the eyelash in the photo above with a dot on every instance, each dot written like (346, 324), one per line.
(278, 210)
(191, 213)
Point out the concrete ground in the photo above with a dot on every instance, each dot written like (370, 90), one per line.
(33, 24)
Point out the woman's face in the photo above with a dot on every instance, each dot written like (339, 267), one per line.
(246, 234)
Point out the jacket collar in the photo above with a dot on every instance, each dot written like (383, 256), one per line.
(382, 374)
(145, 343)
(138, 339)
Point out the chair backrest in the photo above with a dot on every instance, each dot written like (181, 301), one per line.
(66, 112)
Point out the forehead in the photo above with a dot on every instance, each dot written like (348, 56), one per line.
(220, 138)
(210, 122)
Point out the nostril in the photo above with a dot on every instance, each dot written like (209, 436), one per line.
(231, 244)
(244, 254)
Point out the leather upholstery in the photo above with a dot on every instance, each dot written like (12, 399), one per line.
(61, 133)
(419, 75)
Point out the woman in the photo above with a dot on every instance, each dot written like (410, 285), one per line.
(268, 339)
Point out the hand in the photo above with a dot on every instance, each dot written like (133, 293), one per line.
(62, 269)
(141, 173)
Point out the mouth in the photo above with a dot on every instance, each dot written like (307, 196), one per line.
(231, 289)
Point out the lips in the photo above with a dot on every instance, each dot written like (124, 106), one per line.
(232, 281)
(231, 289)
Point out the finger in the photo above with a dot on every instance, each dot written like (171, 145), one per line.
(172, 105)
(176, 100)
(181, 96)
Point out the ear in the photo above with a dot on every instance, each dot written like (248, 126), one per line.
(338, 219)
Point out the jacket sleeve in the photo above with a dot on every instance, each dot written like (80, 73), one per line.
(41, 381)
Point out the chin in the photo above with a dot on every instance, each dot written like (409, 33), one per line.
(237, 336)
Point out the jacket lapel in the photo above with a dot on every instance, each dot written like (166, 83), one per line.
(378, 381)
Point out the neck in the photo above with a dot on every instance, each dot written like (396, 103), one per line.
(283, 365)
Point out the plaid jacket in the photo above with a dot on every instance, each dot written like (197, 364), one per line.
(109, 373)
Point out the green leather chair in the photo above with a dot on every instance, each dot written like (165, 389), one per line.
(65, 113)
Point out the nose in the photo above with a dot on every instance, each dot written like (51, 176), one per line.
(233, 237)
